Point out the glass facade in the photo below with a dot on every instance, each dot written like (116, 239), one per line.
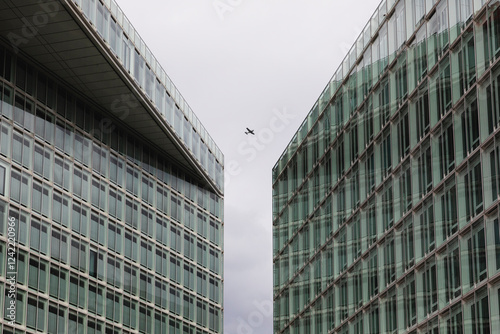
(386, 201)
(112, 234)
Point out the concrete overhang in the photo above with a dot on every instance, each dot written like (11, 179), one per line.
(56, 36)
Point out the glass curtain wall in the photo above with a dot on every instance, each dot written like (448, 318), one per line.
(410, 170)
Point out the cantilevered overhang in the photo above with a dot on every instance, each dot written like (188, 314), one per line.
(56, 36)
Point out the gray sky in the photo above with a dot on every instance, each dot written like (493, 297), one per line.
(257, 64)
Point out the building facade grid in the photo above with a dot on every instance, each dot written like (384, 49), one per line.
(385, 202)
(113, 237)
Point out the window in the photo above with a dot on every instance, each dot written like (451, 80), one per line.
(116, 170)
(189, 246)
(97, 228)
(340, 156)
(490, 104)
(372, 274)
(470, 184)
(37, 310)
(463, 65)
(132, 213)
(467, 128)
(133, 181)
(341, 251)
(114, 273)
(130, 279)
(446, 211)
(422, 169)
(352, 92)
(476, 313)
(99, 194)
(44, 124)
(391, 320)
(102, 20)
(38, 274)
(493, 241)
(147, 221)
(114, 237)
(373, 319)
(386, 203)
(175, 208)
(39, 236)
(399, 79)
(82, 148)
(385, 154)
(189, 276)
(22, 219)
(78, 254)
(370, 171)
(201, 254)
(60, 208)
(175, 301)
(146, 254)
(21, 149)
(454, 321)
(389, 263)
(81, 183)
(474, 256)
(147, 190)
(445, 145)
(449, 275)
(409, 300)
(77, 291)
(403, 135)
(382, 106)
(79, 219)
(20, 187)
(5, 140)
(189, 216)
(58, 283)
(57, 319)
(162, 231)
(425, 229)
(95, 298)
(62, 173)
(371, 222)
(421, 109)
(41, 198)
(407, 241)
(443, 88)
(339, 201)
(161, 293)
(368, 122)
(175, 269)
(59, 245)
(405, 188)
(428, 280)
(162, 199)
(342, 299)
(162, 262)
(115, 203)
(355, 238)
(131, 246)
(43, 162)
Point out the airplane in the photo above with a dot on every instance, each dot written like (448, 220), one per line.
(249, 132)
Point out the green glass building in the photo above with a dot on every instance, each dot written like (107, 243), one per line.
(386, 201)
(111, 190)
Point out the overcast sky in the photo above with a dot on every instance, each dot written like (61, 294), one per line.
(260, 64)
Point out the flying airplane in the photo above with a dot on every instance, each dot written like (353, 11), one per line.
(249, 132)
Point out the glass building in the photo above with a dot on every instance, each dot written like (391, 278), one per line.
(111, 189)
(386, 201)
